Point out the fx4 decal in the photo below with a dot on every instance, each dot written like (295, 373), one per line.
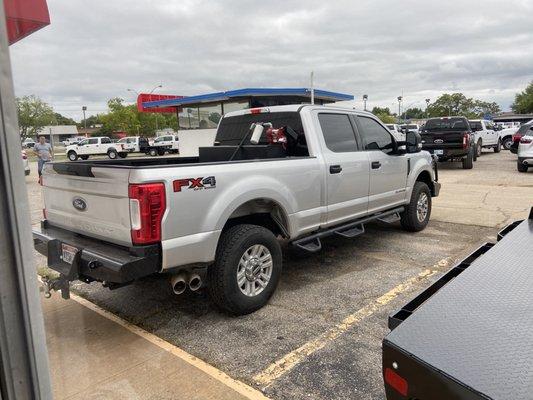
(195, 183)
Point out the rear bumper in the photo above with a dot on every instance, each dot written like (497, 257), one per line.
(447, 152)
(526, 161)
(96, 260)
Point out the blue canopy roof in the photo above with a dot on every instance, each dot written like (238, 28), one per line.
(248, 92)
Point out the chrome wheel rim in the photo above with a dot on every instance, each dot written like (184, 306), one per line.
(422, 207)
(478, 150)
(255, 270)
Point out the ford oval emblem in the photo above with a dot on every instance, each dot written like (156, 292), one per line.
(438, 141)
(79, 204)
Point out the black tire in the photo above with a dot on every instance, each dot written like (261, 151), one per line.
(409, 218)
(112, 154)
(222, 275)
(521, 167)
(507, 142)
(479, 148)
(27, 172)
(84, 157)
(72, 155)
(474, 152)
(468, 161)
(152, 152)
(122, 154)
(161, 152)
(498, 147)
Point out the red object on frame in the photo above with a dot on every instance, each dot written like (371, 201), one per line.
(145, 97)
(23, 17)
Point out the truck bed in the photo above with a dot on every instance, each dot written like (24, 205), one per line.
(470, 335)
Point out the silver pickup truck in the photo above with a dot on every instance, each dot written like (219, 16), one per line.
(298, 172)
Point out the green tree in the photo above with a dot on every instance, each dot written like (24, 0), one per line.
(413, 113)
(62, 120)
(459, 104)
(523, 101)
(33, 115)
(384, 115)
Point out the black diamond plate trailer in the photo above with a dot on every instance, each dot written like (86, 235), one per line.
(470, 334)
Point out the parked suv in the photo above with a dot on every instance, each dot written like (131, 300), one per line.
(525, 129)
(525, 153)
(450, 139)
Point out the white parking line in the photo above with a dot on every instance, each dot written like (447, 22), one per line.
(239, 387)
(292, 359)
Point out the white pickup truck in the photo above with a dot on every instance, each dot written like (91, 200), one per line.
(166, 143)
(94, 146)
(298, 172)
(485, 135)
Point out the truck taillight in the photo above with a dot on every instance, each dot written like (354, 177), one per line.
(526, 140)
(147, 206)
(396, 381)
(517, 137)
(466, 140)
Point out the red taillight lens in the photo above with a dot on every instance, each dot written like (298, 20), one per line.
(526, 140)
(396, 381)
(255, 111)
(517, 137)
(147, 206)
(466, 140)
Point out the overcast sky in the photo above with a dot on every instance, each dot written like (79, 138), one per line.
(95, 50)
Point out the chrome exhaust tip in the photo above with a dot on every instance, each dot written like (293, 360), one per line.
(195, 282)
(178, 283)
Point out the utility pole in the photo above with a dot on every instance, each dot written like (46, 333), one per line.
(427, 106)
(312, 87)
(84, 108)
(400, 109)
(365, 98)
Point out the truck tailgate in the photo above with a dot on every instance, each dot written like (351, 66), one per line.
(442, 140)
(92, 201)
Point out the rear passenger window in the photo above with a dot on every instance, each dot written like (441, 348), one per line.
(93, 141)
(106, 140)
(338, 132)
(375, 137)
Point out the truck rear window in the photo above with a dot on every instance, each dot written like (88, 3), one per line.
(232, 129)
(446, 124)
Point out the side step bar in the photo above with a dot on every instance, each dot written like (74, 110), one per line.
(352, 229)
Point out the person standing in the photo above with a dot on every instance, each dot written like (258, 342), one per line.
(44, 154)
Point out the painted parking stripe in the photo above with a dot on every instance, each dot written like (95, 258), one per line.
(237, 386)
(292, 359)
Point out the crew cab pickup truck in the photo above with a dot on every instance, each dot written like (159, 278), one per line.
(299, 172)
(450, 139)
(93, 146)
(468, 335)
(485, 135)
(168, 143)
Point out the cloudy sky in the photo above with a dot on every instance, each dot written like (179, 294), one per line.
(95, 50)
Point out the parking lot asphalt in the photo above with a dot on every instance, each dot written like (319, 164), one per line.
(320, 335)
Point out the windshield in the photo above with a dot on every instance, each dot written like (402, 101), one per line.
(446, 124)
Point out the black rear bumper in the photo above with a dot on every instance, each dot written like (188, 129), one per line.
(96, 260)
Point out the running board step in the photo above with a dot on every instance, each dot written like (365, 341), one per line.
(391, 218)
(351, 232)
(312, 245)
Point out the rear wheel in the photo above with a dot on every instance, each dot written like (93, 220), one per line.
(416, 215)
(498, 147)
(507, 142)
(72, 155)
(122, 154)
(161, 152)
(247, 269)
(153, 152)
(521, 167)
(479, 147)
(468, 161)
(112, 154)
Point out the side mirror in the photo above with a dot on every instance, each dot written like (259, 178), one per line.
(413, 142)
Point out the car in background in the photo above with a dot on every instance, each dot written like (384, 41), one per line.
(485, 135)
(25, 162)
(525, 129)
(94, 146)
(28, 143)
(170, 142)
(525, 153)
(73, 140)
(450, 139)
(396, 131)
(406, 128)
(506, 136)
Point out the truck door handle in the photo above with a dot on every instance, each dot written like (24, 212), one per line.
(335, 169)
(376, 165)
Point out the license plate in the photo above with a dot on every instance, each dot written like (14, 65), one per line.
(439, 152)
(68, 253)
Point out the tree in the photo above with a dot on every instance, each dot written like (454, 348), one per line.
(33, 115)
(459, 104)
(62, 120)
(523, 101)
(413, 113)
(384, 115)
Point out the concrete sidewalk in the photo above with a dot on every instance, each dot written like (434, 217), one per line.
(96, 356)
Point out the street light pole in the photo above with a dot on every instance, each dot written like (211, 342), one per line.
(84, 108)
(365, 98)
(400, 109)
(427, 106)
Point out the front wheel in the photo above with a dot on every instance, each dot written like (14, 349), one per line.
(507, 143)
(72, 156)
(112, 154)
(479, 147)
(416, 215)
(498, 147)
(153, 152)
(247, 269)
(468, 161)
